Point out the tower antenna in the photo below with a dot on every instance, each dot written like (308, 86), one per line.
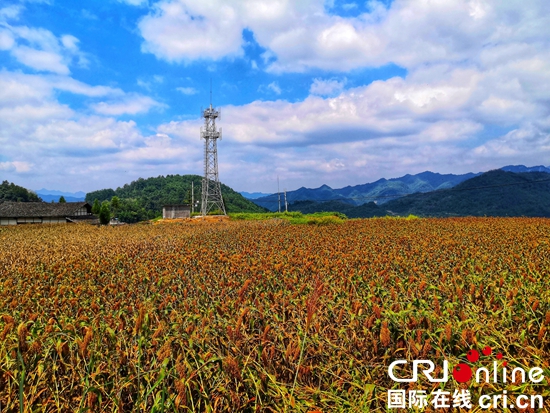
(211, 188)
(278, 193)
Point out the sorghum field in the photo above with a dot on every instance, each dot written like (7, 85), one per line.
(264, 316)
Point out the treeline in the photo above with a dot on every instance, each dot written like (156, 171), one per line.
(16, 193)
(143, 199)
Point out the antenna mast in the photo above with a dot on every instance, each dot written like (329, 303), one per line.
(278, 193)
(211, 188)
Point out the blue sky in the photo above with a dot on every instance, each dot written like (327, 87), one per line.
(97, 94)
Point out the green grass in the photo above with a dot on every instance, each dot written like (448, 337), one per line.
(318, 218)
(408, 218)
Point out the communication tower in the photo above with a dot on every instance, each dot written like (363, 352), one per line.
(211, 188)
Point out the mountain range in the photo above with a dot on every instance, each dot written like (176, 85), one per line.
(493, 193)
(380, 191)
(253, 195)
(48, 195)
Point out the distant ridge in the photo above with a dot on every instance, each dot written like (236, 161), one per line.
(44, 191)
(253, 195)
(494, 193)
(380, 191)
(523, 168)
(383, 190)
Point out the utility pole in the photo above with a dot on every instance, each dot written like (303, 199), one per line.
(192, 198)
(286, 204)
(211, 187)
(278, 193)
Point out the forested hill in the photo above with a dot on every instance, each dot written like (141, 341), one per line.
(494, 193)
(16, 193)
(144, 198)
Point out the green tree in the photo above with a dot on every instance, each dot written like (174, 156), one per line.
(104, 213)
(12, 192)
(96, 207)
(62, 200)
(115, 205)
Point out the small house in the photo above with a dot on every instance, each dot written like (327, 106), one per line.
(175, 211)
(16, 213)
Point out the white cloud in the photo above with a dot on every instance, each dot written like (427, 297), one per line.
(40, 49)
(70, 42)
(134, 2)
(274, 87)
(18, 88)
(6, 40)
(523, 143)
(474, 68)
(15, 166)
(131, 104)
(433, 119)
(68, 84)
(187, 90)
(31, 117)
(10, 13)
(88, 15)
(144, 84)
(41, 60)
(301, 35)
(326, 87)
(181, 30)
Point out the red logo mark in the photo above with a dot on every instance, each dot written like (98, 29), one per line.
(472, 356)
(462, 373)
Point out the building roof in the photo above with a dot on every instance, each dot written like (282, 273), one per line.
(177, 205)
(40, 209)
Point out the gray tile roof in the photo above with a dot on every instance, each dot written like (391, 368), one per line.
(40, 209)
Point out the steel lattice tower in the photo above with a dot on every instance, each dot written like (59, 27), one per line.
(211, 188)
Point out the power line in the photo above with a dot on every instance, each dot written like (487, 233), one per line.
(402, 195)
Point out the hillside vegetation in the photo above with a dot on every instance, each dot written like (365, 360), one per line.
(16, 193)
(382, 190)
(143, 199)
(494, 193)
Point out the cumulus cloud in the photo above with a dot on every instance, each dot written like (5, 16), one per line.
(130, 104)
(6, 40)
(41, 60)
(522, 143)
(326, 87)
(37, 48)
(184, 30)
(474, 97)
(15, 166)
(436, 118)
(302, 35)
(10, 12)
(32, 117)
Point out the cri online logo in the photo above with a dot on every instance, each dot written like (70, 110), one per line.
(463, 373)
